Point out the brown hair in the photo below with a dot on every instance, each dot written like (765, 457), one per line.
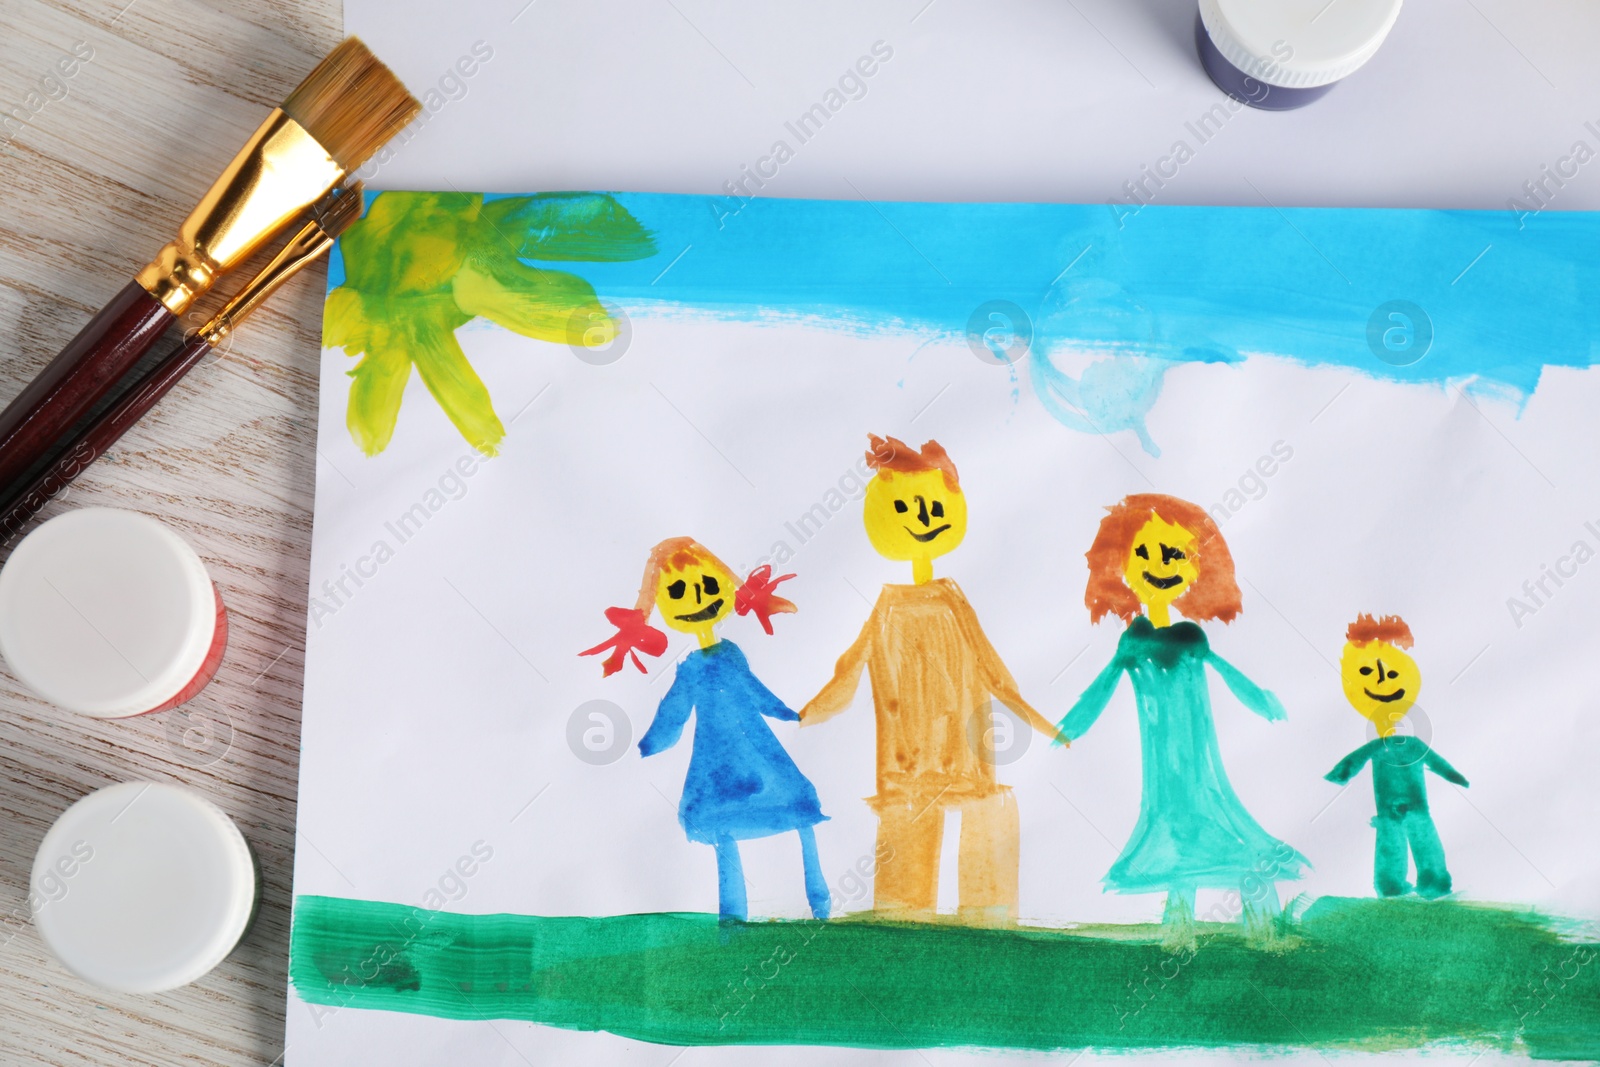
(673, 554)
(1390, 628)
(755, 595)
(1215, 592)
(893, 454)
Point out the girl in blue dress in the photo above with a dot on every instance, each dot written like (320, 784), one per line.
(1154, 553)
(741, 783)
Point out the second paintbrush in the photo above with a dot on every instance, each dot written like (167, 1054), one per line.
(329, 218)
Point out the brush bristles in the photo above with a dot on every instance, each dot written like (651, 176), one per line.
(351, 104)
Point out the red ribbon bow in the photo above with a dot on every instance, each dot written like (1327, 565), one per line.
(756, 594)
(633, 633)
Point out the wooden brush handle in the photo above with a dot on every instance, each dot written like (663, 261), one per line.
(93, 441)
(84, 372)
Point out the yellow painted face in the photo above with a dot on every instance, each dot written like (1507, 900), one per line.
(1160, 563)
(695, 598)
(1380, 681)
(914, 516)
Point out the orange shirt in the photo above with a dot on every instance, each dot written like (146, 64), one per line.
(933, 674)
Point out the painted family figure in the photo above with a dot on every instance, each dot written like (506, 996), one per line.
(934, 675)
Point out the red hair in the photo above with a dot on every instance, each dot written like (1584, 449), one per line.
(893, 454)
(1389, 628)
(1215, 592)
(756, 594)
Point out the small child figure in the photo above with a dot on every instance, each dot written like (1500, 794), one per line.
(1381, 682)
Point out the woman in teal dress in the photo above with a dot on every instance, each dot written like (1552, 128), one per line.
(1154, 553)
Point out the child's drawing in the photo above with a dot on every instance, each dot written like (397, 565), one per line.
(741, 783)
(896, 916)
(932, 672)
(1153, 554)
(1382, 681)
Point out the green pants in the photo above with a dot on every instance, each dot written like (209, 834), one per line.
(1412, 831)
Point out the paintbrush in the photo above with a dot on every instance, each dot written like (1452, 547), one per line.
(333, 121)
(329, 218)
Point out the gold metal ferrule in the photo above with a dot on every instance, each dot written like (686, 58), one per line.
(302, 250)
(280, 172)
(330, 216)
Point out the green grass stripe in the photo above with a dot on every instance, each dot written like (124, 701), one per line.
(1356, 974)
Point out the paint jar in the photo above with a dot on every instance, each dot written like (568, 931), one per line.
(109, 613)
(143, 887)
(1278, 55)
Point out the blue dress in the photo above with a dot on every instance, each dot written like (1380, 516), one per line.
(1193, 831)
(741, 782)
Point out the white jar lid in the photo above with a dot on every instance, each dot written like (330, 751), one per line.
(105, 612)
(142, 887)
(1298, 44)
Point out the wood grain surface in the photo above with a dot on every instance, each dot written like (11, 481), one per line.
(91, 185)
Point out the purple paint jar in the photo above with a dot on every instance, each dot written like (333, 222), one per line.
(1282, 54)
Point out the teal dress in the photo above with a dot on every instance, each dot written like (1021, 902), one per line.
(1193, 831)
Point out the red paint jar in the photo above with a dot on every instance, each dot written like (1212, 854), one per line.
(109, 613)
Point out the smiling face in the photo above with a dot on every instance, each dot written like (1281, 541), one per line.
(1160, 565)
(1381, 682)
(695, 598)
(914, 516)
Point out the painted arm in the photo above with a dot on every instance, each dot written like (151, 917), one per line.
(671, 714)
(1440, 766)
(767, 701)
(1093, 700)
(997, 677)
(1351, 765)
(1251, 695)
(841, 688)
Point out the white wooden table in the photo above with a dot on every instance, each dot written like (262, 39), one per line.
(94, 183)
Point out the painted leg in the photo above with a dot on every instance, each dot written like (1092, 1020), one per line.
(1389, 858)
(988, 861)
(906, 884)
(1259, 909)
(816, 885)
(730, 880)
(1177, 921)
(1433, 877)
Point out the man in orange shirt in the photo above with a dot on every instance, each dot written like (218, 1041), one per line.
(933, 674)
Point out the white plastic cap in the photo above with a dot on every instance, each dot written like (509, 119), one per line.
(142, 887)
(105, 612)
(1298, 44)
